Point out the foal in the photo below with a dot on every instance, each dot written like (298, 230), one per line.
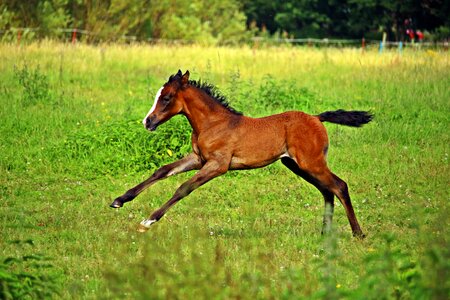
(223, 139)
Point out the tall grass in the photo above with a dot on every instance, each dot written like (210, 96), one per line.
(72, 140)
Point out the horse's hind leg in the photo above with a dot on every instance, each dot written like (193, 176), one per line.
(327, 182)
(328, 195)
(340, 189)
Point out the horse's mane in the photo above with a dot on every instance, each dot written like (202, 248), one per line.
(212, 91)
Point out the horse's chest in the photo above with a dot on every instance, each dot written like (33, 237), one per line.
(210, 147)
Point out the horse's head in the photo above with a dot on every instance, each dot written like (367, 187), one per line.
(168, 101)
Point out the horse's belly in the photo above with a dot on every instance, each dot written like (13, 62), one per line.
(254, 160)
(258, 148)
(242, 164)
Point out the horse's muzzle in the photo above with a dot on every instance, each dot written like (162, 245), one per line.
(151, 123)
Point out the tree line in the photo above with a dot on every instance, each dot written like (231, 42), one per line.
(227, 21)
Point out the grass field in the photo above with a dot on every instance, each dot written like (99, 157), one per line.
(72, 141)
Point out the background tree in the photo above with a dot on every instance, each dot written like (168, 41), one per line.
(226, 21)
(347, 18)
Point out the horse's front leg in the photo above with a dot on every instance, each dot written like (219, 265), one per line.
(188, 163)
(209, 171)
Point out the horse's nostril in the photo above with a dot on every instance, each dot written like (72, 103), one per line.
(149, 123)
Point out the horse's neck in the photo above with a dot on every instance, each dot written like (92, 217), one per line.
(202, 112)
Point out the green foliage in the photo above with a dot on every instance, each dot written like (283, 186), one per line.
(30, 276)
(34, 83)
(220, 21)
(304, 20)
(441, 34)
(201, 21)
(203, 271)
(110, 20)
(44, 17)
(276, 96)
(52, 16)
(393, 273)
(6, 17)
(347, 18)
(390, 273)
(201, 266)
(119, 146)
(269, 95)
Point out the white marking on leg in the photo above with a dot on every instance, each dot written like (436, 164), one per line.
(284, 155)
(176, 170)
(147, 223)
(158, 94)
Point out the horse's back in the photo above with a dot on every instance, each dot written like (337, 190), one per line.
(261, 141)
(304, 134)
(293, 122)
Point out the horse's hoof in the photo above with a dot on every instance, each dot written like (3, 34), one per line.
(145, 225)
(142, 228)
(116, 204)
(359, 235)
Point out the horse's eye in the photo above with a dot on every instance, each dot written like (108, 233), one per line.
(166, 99)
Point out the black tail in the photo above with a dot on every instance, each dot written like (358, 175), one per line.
(352, 118)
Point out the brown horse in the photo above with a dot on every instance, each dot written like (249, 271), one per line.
(223, 139)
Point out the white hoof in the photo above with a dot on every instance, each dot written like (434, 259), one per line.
(145, 225)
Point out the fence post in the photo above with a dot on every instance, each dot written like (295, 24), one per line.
(383, 42)
(363, 43)
(19, 36)
(74, 36)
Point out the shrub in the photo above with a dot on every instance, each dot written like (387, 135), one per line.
(35, 85)
(30, 276)
(124, 146)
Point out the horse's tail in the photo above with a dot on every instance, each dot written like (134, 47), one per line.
(352, 118)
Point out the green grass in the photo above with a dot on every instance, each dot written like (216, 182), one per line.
(72, 141)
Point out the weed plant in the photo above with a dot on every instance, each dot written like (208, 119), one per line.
(30, 276)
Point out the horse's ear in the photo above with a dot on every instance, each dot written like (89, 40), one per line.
(185, 78)
(175, 76)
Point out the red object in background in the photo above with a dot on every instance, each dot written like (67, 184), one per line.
(419, 35)
(410, 33)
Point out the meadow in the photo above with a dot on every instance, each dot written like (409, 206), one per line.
(72, 141)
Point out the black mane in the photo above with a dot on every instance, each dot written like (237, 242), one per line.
(211, 90)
